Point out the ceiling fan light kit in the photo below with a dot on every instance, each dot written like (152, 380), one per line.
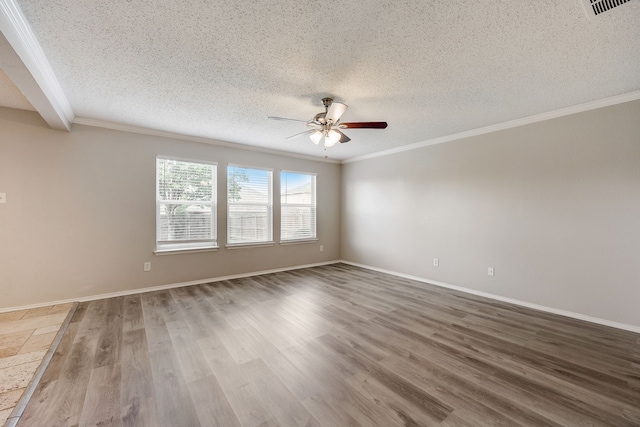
(331, 138)
(326, 125)
(316, 137)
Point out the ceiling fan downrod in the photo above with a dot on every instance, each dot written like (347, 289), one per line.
(320, 118)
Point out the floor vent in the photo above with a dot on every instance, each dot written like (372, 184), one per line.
(594, 8)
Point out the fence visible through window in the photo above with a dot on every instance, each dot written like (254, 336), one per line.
(185, 204)
(249, 205)
(297, 206)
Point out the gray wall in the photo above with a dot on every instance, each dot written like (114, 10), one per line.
(80, 216)
(553, 206)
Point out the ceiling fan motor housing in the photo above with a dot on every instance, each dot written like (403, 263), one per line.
(319, 118)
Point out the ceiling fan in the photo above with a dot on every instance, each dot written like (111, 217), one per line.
(327, 126)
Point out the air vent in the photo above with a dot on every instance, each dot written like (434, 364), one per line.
(594, 8)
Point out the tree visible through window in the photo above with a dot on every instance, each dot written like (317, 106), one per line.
(186, 204)
(250, 205)
(297, 206)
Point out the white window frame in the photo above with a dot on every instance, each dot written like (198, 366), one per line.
(268, 241)
(313, 205)
(168, 246)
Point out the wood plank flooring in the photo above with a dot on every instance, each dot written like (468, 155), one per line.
(333, 346)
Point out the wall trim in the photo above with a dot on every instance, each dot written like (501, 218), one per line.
(33, 76)
(587, 106)
(84, 121)
(565, 313)
(167, 286)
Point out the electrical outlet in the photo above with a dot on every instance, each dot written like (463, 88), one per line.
(3, 197)
(490, 271)
(147, 266)
(321, 248)
(436, 262)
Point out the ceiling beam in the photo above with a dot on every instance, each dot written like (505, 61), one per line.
(23, 60)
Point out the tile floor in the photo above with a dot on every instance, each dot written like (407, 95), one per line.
(25, 337)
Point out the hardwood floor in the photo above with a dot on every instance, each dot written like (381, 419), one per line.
(333, 346)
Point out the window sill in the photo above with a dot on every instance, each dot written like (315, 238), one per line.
(172, 251)
(298, 242)
(248, 245)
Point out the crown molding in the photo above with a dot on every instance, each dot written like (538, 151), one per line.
(587, 106)
(164, 134)
(24, 61)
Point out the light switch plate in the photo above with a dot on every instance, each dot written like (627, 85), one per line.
(3, 197)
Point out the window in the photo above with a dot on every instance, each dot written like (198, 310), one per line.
(298, 206)
(250, 205)
(185, 205)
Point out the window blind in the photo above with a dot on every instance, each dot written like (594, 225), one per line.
(297, 206)
(249, 205)
(185, 204)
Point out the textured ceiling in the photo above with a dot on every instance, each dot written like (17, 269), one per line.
(218, 68)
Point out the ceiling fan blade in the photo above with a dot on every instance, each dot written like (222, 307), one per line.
(306, 132)
(363, 125)
(286, 119)
(343, 138)
(336, 110)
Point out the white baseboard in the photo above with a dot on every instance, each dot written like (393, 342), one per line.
(565, 313)
(164, 287)
(617, 325)
(38, 305)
